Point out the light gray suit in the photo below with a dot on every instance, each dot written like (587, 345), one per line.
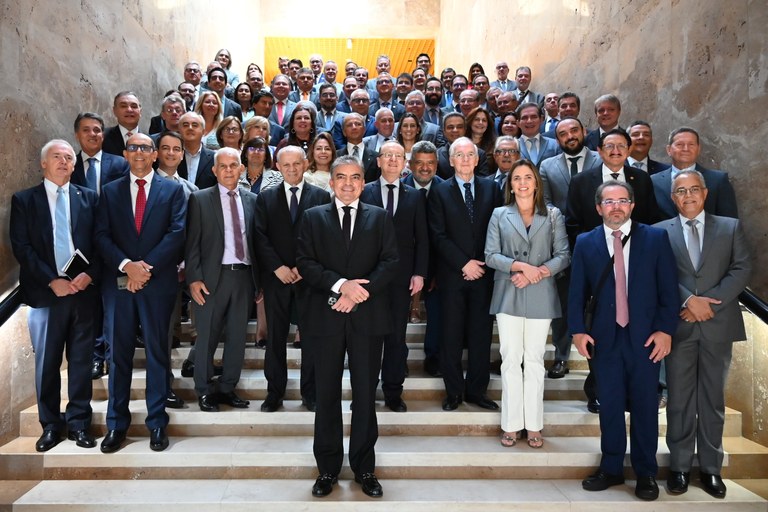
(556, 176)
(697, 366)
(507, 242)
(547, 148)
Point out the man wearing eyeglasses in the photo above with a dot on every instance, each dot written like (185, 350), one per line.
(140, 234)
(634, 318)
(385, 87)
(505, 154)
(360, 102)
(217, 82)
(713, 265)
(502, 73)
(684, 148)
(407, 209)
(193, 75)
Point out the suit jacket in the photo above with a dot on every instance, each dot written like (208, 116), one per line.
(408, 180)
(112, 168)
(723, 273)
(205, 177)
(113, 141)
(544, 244)
(721, 199)
(397, 109)
(156, 125)
(547, 149)
(410, 223)
(445, 169)
(314, 97)
(276, 236)
(651, 291)
(276, 133)
(161, 242)
(287, 111)
(593, 138)
(531, 97)
(655, 167)
(322, 260)
(338, 131)
(232, 108)
(581, 214)
(456, 239)
(32, 239)
(343, 105)
(204, 247)
(510, 86)
(429, 131)
(338, 117)
(556, 176)
(370, 166)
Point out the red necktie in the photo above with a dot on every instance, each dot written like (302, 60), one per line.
(622, 308)
(279, 112)
(141, 203)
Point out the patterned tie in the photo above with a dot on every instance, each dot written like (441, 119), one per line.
(294, 204)
(391, 200)
(469, 201)
(90, 175)
(622, 307)
(346, 224)
(356, 152)
(694, 243)
(533, 152)
(638, 165)
(141, 204)
(574, 165)
(236, 228)
(61, 249)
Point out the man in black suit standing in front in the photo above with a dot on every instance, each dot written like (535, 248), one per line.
(347, 254)
(459, 211)
(407, 209)
(279, 211)
(48, 222)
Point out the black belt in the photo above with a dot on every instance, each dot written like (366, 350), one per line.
(236, 266)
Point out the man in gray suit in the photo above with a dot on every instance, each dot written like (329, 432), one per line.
(221, 268)
(502, 74)
(713, 267)
(533, 146)
(556, 173)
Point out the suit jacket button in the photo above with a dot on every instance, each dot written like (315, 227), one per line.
(525, 253)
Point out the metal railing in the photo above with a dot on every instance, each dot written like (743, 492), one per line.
(9, 305)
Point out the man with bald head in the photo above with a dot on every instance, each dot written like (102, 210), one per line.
(502, 74)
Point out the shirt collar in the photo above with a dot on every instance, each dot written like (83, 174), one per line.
(146, 178)
(354, 204)
(624, 228)
(85, 156)
(699, 217)
(287, 186)
(53, 188)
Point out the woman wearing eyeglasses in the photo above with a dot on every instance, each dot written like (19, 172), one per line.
(257, 161)
(229, 134)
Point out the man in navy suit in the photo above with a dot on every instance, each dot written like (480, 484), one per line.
(534, 146)
(281, 112)
(684, 148)
(634, 319)
(127, 109)
(48, 223)
(459, 211)
(140, 234)
(102, 168)
(407, 209)
(347, 254)
(642, 139)
(217, 82)
(385, 89)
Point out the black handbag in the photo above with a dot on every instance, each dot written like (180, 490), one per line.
(591, 304)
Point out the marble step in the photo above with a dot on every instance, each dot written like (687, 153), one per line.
(458, 495)
(561, 418)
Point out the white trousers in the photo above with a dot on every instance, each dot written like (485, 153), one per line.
(522, 343)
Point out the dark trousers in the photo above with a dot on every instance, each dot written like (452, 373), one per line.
(364, 364)
(434, 330)
(627, 380)
(466, 311)
(560, 337)
(395, 361)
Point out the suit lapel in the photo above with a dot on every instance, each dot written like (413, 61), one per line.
(155, 190)
(459, 198)
(711, 228)
(563, 169)
(376, 193)
(44, 218)
(74, 210)
(677, 240)
(247, 209)
(216, 207)
(360, 221)
(513, 214)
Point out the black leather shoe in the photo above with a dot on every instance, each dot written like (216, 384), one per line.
(172, 401)
(309, 404)
(271, 404)
(48, 440)
(451, 403)
(113, 441)
(262, 343)
(646, 488)
(482, 401)
(187, 368)
(324, 485)
(158, 440)
(82, 438)
(600, 481)
(396, 405)
(558, 370)
(713, 485)
(97, 370)
(371, 485)
(432, 367)
(677, 482)
(593, 406)
(231, 399)
(208, 404)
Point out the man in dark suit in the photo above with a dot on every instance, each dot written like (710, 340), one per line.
(354, 130)
(634, 319)
(684, 148)
(279, 211)
(305, 80)
(534, 146)
(348, 87)
(327, 113)
(459, 211)
(384, 121)
(220, 262)
(102, 168)
(407, 209)
(347, 254)
(217, 82)
(48, 222)
(642, 139)
(385, 89)
(556, 173)
(140, 235)
(433, 97)
(171, 111)
(454, 126)
(607, 111)
(127, 109)
(713, 266)
(197, 165)
(360, 103)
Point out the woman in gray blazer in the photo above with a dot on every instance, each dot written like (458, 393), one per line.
(527, 246)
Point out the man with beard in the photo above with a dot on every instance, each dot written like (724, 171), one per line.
(433, 96)
(327, 115)
(187, 91)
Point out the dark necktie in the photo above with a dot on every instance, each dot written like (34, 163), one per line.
(356, 152)
(574, 167)
(141, 204)
(694, 243)
(615, 175)
(294, 204)
(500, 181)
(424, 192)
(622, 306)
(236, 228)
(469, 201)
(391, 200)
(90, 175)
(346, 224)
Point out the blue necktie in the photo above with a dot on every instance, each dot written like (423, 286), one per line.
(469, 201)
(532, 151)
(90, 175)
(61, 249)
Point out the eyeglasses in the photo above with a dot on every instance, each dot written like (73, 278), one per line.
(384, 81)
(611, 147)
(396, 156)
(256, 150)
(507, 152)
(171, 110)
(616, 202)
(360, 100)
(682, 191)
(216, 78)
(144, 148)
(195, 71)
(232, 129)
(414, 103)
